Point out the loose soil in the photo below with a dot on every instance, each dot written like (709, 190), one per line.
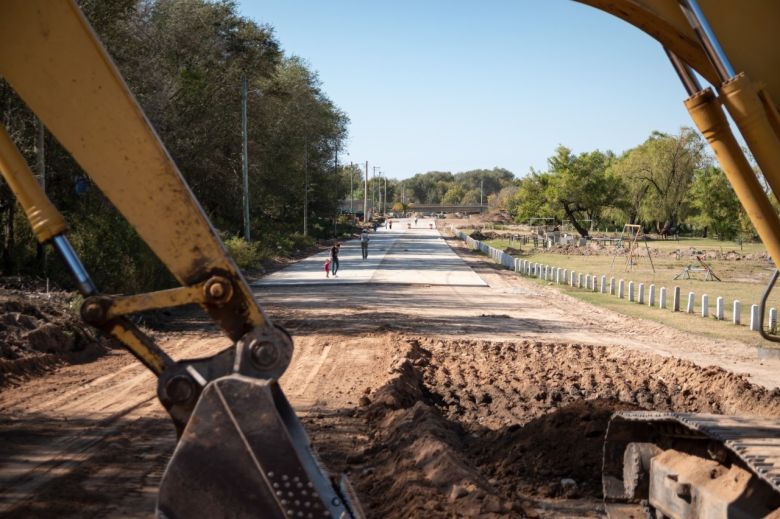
(435, 401)
(39, 331)
(515, 429)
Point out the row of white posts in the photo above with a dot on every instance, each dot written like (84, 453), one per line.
(633, 292)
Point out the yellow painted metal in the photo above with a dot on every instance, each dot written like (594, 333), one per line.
(746, 30)
(712, 123)
(53, 60)
(139, 345)
(44, 218)
(741, 98)
(124, 305)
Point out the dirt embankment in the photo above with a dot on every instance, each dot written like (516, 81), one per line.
(40, 330)
(482, 429)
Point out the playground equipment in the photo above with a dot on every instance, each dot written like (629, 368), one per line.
(698, 268)
(630, 235)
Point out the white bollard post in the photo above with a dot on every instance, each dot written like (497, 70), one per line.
(640, 296)
(579, 280)
(719, 309)
(754, 318)
(691, 297)
(593, 283)
(651, 296)
(676, 300)
(564, 276)
(773, 320)
(612, 286)
(621, 287)
(705, 305)
(662, 298)
(572, 278)
(630, 291)
(603, 284)
(736, 313)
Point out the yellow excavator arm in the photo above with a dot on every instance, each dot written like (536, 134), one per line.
(240, 441)
(238, 434)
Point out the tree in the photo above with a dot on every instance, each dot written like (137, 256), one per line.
(453, 195)
(716, 204)
(184, 61)
(530, 199)
(582, 186)
(658, 174)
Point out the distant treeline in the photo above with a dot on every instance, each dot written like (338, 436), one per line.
(669, 183)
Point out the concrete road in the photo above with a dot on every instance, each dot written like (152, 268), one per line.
(405, 254)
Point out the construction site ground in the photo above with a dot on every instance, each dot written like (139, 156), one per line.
(443, 385)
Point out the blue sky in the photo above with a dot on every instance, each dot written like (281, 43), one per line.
(458, 85)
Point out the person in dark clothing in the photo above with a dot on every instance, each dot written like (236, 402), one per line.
(364, 243)
(334, 259)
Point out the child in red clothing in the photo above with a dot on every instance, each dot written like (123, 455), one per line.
(327, 268)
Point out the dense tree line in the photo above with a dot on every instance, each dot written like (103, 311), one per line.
(467, 188)
(668, 183)
(184, 60)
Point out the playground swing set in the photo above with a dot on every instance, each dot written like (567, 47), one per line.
(630, 236)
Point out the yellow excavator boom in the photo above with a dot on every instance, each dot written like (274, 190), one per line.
(238, 434)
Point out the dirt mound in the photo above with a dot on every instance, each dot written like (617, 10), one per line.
(40, 330)
(478, 235)
(490, 429)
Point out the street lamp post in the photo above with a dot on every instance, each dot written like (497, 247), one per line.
(385, 204)
(245, 157)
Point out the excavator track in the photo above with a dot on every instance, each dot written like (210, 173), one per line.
(683, 465)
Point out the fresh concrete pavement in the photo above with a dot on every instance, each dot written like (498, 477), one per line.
(408, 253)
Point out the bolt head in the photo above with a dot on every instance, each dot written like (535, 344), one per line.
(216, 290)
(264, 354)
(180, 389)
(93, 312)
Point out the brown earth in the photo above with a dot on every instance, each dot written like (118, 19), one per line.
(436, 401)
(39, 331)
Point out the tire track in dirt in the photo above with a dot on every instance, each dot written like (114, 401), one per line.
(99, 422)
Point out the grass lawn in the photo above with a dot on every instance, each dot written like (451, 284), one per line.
(743, 280)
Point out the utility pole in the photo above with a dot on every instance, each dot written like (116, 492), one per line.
(365, 197)
(351, 191)
(481, 190)
(385, 204)
(245, 157)
(306, 188)
(374, 190)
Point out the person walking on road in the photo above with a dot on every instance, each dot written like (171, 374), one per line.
(334, 259)
(364, 243)
(327, 267)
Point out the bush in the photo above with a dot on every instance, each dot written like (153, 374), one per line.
(246, 254)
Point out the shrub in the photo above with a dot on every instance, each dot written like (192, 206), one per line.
(246, 254)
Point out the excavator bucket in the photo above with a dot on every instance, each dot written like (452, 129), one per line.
(245, 454)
